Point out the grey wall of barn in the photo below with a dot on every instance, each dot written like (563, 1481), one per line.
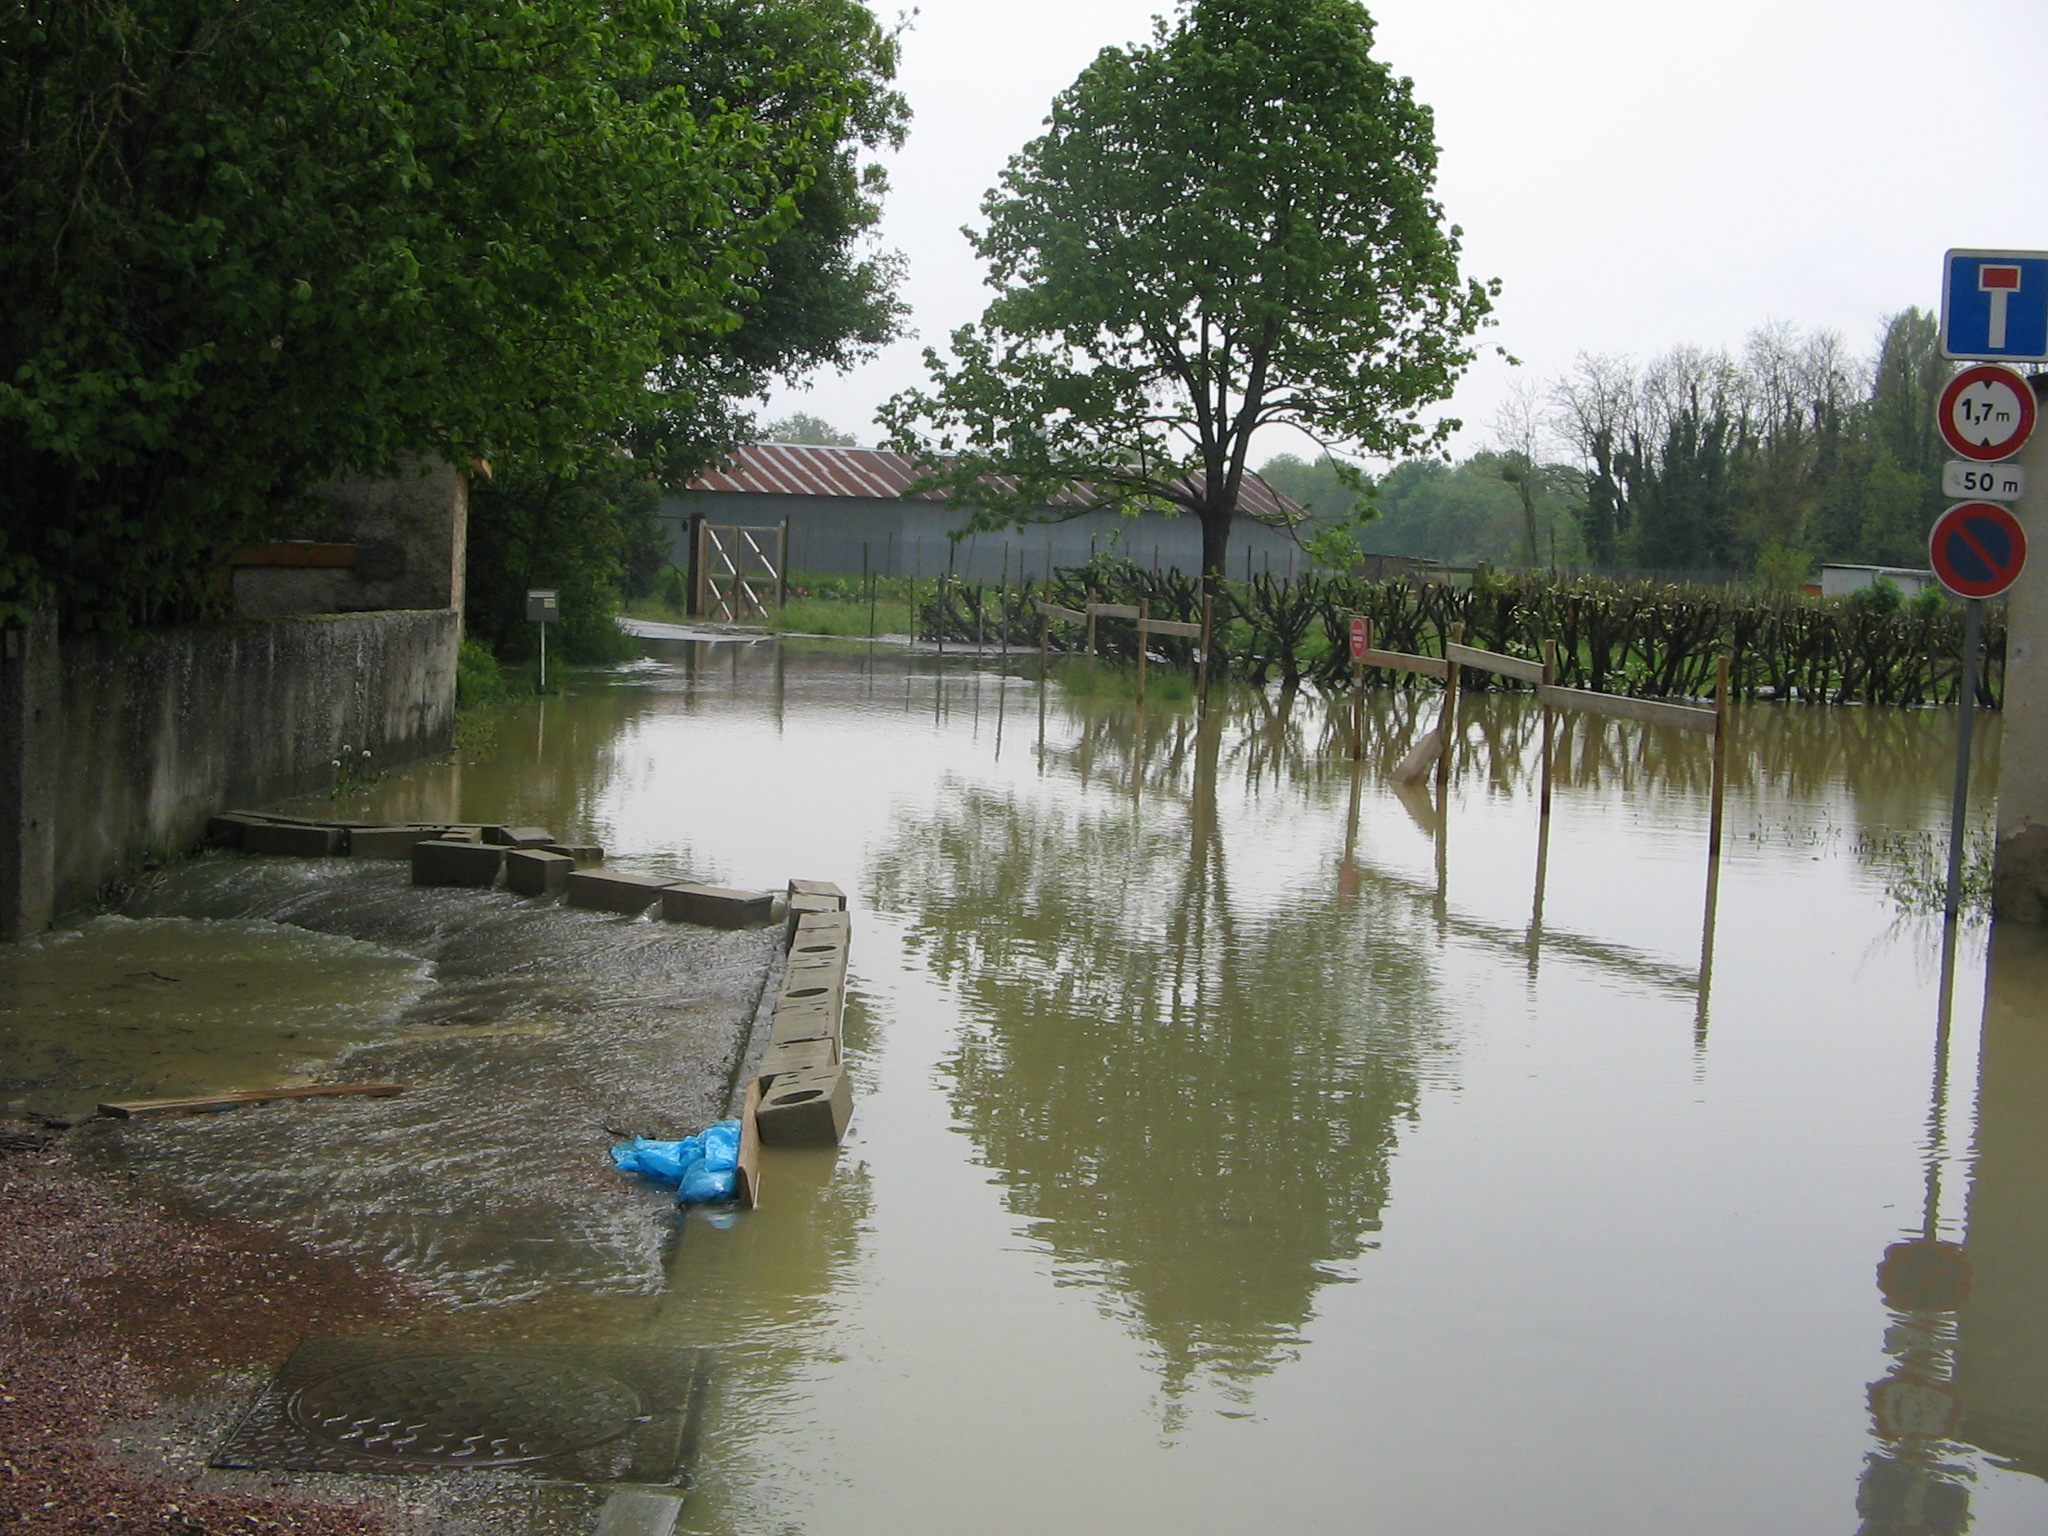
(113, 752)
(910, 538)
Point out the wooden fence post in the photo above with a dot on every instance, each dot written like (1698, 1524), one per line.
(1208, 628)
(1144, 611)
(1448, 724)
(1721, 678)
(1549, 718)
(1358, 694)
(1090, 606)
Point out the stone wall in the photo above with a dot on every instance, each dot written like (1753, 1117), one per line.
(407, 537)
(112, 752)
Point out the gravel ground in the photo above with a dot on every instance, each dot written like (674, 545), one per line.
(105, 1302)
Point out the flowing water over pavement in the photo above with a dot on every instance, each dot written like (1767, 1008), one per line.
(1241, 1144)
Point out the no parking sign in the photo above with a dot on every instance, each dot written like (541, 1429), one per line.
(1978, 549)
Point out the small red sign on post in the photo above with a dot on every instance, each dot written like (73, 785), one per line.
(1986, 413)
(1978, 549)
(1360, 636)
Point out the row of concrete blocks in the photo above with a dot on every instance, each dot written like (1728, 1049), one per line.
(805, 1099)
(303, 837)
(551, 870)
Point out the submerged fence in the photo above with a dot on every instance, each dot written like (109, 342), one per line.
(1638, 639)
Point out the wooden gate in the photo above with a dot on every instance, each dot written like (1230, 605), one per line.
(740, 571)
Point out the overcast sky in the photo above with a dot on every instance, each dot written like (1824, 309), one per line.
(1638, 175)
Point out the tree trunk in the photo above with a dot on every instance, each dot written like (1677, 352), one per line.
(1215, 547)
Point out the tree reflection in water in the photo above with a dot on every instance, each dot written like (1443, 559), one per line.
(1190, 1088)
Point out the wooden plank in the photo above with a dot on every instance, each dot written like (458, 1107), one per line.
(1054, 611)
(1650, 711)
(747, 1186)
(1171, 627)
(1493, 661)
(1114, 610)
(1401, 661)
(137, 1109)
(1420, 759)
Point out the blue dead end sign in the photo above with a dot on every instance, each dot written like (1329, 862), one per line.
(1994, 305)
(1978, 549)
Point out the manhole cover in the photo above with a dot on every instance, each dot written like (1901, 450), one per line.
(466, 1410)
(585, 1413)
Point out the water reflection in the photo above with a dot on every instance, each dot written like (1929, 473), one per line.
(1967, 1334)
(1192, 1097)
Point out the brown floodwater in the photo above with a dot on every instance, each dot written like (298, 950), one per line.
(1242, 1143)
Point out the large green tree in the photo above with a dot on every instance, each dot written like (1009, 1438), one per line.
(246, 245)
(1228, 227)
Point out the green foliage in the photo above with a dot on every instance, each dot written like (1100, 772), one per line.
(1782, 569)
(675, 589)
(802, 427)
(1470, 514)
(1704, 461)
(478, 681)
(1227, 227)
(1656, 639)
(1882, 597)
(532, 528)
(246, 247)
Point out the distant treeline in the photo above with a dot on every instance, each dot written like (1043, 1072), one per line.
(1656, 641)
(1797, 451)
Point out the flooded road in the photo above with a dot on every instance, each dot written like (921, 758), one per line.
(1241, 1144)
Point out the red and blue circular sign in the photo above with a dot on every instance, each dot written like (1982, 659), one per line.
(1978, 549)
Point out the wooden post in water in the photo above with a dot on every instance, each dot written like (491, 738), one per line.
(1549, 721)
(1208, 627)
(1358, 693)
(1721, 671)
(782, 575)
(1144, 612)
(1447, 726)
(1090, 607)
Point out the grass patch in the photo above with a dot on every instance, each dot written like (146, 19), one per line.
(1083, 678)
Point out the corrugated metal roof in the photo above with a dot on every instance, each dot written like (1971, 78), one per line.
(794, 469)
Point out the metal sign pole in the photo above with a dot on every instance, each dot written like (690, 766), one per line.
(1959, 813)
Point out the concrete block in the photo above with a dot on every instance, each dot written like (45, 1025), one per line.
(639, 1512)
(607, 892)
(824, 888)
(795, 1026)
(225, 830)
(799, 1055)
(535, 872)
(384, 842)
(710, 906)
(446, 861)
(799, 908)
(807, 1108)
(519, 837)
(296, 839)
(585, 854)
(461, 835)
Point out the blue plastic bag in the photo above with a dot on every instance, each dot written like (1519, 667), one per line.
(702, 1167)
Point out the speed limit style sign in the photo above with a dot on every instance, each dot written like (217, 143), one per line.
(1986, 413)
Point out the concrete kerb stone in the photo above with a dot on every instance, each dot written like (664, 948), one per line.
(586, 855)
(519, 837)
(710, 906)
(536, 872)
(606, 891)
(226, 829)
(386, 842)
(806, 1107)
(824, 889)
(296, 840)
(447, 861)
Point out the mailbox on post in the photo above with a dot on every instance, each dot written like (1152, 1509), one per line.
(542, 609)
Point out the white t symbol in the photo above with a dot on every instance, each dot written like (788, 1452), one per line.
(2001, 283)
